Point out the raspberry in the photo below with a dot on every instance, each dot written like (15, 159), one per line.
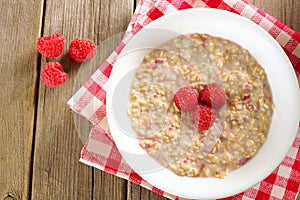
(186, 98)
(51, 46)
(53, 74)
(204, 117)
(213, 95)
(82, 50)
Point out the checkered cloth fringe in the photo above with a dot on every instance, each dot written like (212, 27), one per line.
(100, 150)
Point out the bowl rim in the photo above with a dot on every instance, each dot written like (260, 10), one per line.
(262, 174)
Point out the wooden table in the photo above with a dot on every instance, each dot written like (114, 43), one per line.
(39, 145)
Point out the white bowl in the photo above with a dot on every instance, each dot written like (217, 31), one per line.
(268, 53)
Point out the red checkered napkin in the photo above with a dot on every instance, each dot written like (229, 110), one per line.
(100, 150)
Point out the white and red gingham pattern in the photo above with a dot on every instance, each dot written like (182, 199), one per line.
(100, 150)
(283, 183)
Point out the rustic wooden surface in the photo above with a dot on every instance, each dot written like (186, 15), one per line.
(39, 145)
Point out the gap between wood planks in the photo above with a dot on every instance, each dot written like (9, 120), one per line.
(36, 98)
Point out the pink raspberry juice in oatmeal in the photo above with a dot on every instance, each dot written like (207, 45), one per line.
(169, 135)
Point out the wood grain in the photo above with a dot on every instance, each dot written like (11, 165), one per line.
(57, 174)
(19, 28)
(107, 186)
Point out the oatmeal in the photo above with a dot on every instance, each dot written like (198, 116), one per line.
(170, 136)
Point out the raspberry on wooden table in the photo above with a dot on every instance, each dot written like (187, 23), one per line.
(51, 46)
(82, 50)
(204, 117)
(53, 74)
(186, 98)
(213, 95)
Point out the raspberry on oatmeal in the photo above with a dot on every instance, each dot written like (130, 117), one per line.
(241, 123)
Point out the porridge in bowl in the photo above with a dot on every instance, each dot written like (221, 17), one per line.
(173, 134)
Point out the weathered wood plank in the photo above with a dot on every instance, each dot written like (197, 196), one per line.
(107, 186)
(57, 174)
(135, 192)
(19, 28)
